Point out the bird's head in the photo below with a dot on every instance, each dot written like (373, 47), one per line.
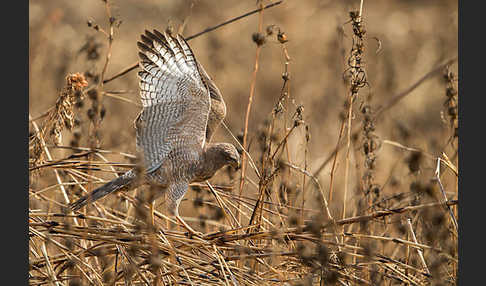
(216, 156)
(229, 154)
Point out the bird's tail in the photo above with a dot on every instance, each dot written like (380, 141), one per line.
(122, 181)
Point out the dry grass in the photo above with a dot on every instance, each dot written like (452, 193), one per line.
(345, 113)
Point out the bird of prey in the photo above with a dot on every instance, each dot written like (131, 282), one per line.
(182, 108)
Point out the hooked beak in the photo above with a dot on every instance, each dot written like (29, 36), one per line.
(236, 164)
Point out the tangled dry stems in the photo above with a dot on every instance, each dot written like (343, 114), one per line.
(286, 233)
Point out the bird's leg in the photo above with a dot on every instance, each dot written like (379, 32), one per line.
(182, 222)
(187, 227)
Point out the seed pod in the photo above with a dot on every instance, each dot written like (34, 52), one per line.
(93, 94)
(102, 112)
(282, 37)
(258, 38)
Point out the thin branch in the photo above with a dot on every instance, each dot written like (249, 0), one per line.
(402, 210)
(248, 107)
(441, 187)
(419, 250)
(207, 30)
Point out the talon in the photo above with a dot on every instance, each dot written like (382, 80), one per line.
(190, 232)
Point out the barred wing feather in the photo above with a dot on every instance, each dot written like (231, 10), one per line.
(175, 99)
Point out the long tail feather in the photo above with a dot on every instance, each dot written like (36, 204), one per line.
(108, 188)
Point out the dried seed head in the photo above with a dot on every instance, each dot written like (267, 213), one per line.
(414, 161)
(77, 81)
(331, 277)
(102, 112)
(438, 219)
(375, 189)
(286, 76)
(451, 92)
(449, 76)
(77, 135)
(314, 226)
(202, 220)
(270, 29)
(258, 38)
(322, 254)
(452, 111)
(282, 37)
(366, 109)
(90, 113)
(93, 94)
(218, 214)
(299, 111)
(240, 137)
(370, 162)
(198, 202)
(293, 221)
(298, 122)
(107, 276)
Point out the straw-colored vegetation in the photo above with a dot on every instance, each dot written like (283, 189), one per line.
(345, 113)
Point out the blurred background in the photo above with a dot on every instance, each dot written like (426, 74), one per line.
(404, 41)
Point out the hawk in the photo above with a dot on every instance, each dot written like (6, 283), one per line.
(182, 108)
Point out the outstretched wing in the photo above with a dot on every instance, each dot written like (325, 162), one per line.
(175, 99)
(218, 107)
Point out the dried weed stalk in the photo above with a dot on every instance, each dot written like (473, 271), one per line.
(451, 103)
(58, 118)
